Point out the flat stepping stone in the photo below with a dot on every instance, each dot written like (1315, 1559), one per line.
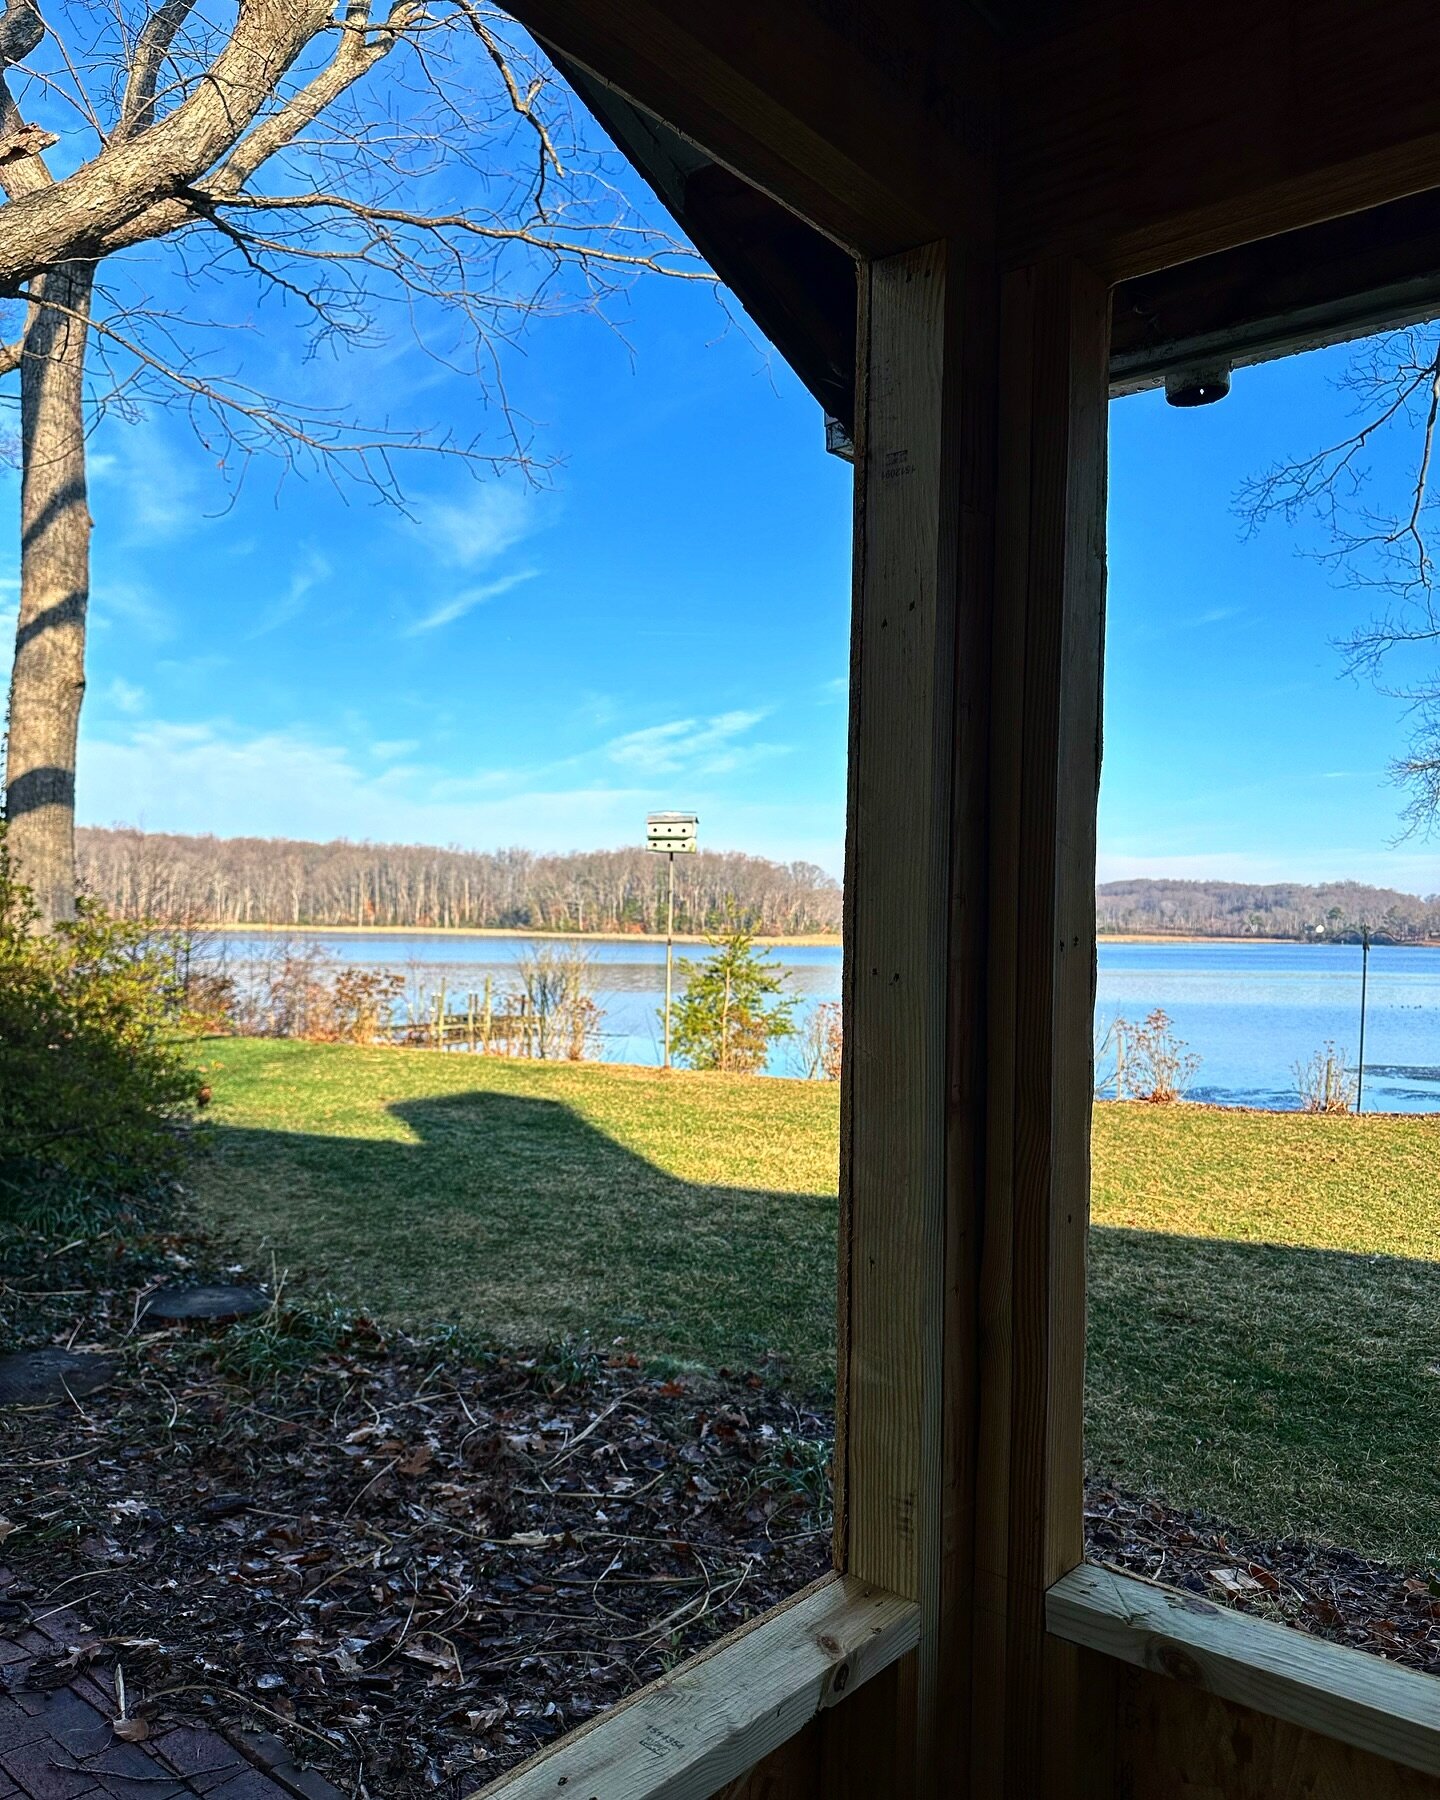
(218, 1304)
(41, 1377)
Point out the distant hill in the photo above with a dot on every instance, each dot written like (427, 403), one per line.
(1284, 909)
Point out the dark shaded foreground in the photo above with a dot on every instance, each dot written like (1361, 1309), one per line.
(413, 1562)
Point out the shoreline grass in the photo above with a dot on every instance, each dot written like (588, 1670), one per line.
(1264, 1287)
(812, 940)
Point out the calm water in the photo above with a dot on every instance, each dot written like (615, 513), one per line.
(1250, 1011)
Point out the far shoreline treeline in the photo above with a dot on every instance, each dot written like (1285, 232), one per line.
(255, 882)
(283, 883)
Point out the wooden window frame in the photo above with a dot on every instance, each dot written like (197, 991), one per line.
(960, 1594)
(1349, 1695)
(962, 1646)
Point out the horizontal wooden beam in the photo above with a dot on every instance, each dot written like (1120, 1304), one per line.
(880, 139)
(1324, 285)
(1147, 134)
(688, 1734)
(1344, 1694)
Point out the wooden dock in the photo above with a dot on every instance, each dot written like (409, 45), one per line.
(484, 1027)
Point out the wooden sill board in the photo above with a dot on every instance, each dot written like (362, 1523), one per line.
(1345, 1694)
(688, 1734)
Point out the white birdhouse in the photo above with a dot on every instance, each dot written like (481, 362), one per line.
(671, 832)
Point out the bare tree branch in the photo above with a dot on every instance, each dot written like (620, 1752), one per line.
(21, 31)
(251, 421)
(131, 178)
(1379, 549)
(463, 224)
(264, 144)
(137, 109)
(358, 53)
(21, 169)
(524, 104)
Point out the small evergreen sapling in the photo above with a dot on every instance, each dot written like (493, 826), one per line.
(732, 1008)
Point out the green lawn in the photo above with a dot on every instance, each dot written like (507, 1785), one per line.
(1265, 1289)
(691, 1215)
(1265, 1319)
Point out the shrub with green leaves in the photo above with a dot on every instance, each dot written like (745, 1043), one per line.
(94, 1086)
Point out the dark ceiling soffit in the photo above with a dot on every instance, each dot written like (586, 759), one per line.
(796, 285)
(1324, 285)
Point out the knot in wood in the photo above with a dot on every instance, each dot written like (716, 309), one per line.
(1179, 1665)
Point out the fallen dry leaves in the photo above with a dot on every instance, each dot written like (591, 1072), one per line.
(416, 1566)
(1321, 1588)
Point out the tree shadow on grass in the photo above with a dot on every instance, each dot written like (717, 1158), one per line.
(1289, 1391)
(516, 1218)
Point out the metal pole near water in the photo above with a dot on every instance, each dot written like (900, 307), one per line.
(668, 834)
(1364, 996)
(669, 953)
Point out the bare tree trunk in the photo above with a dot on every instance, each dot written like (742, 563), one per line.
(48, 682)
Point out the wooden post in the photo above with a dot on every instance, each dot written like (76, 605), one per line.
(1045, 766)
(969, 985)
(470, 1022)
(1364, 997)
(440, 1018)
(488, 1013)
(890, 1508)
(670, 952)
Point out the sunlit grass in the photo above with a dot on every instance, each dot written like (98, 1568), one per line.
(688, 1216)
(1265, 1288)
(1265, 1319)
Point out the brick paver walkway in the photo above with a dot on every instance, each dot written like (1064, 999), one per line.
(60, 1744)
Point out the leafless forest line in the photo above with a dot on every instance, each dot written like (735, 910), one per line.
(278, 881)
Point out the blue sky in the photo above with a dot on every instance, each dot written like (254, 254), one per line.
(663, 622)
(1235, 746)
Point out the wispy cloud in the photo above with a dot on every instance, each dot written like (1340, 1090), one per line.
(701, 747)
(134, 604)
(466, 601)
(154, 484)
(468, 533)
(305, 577)
(214, 775)
(125, 696)
(596, 709)
(192, 671)
(1159, 624)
